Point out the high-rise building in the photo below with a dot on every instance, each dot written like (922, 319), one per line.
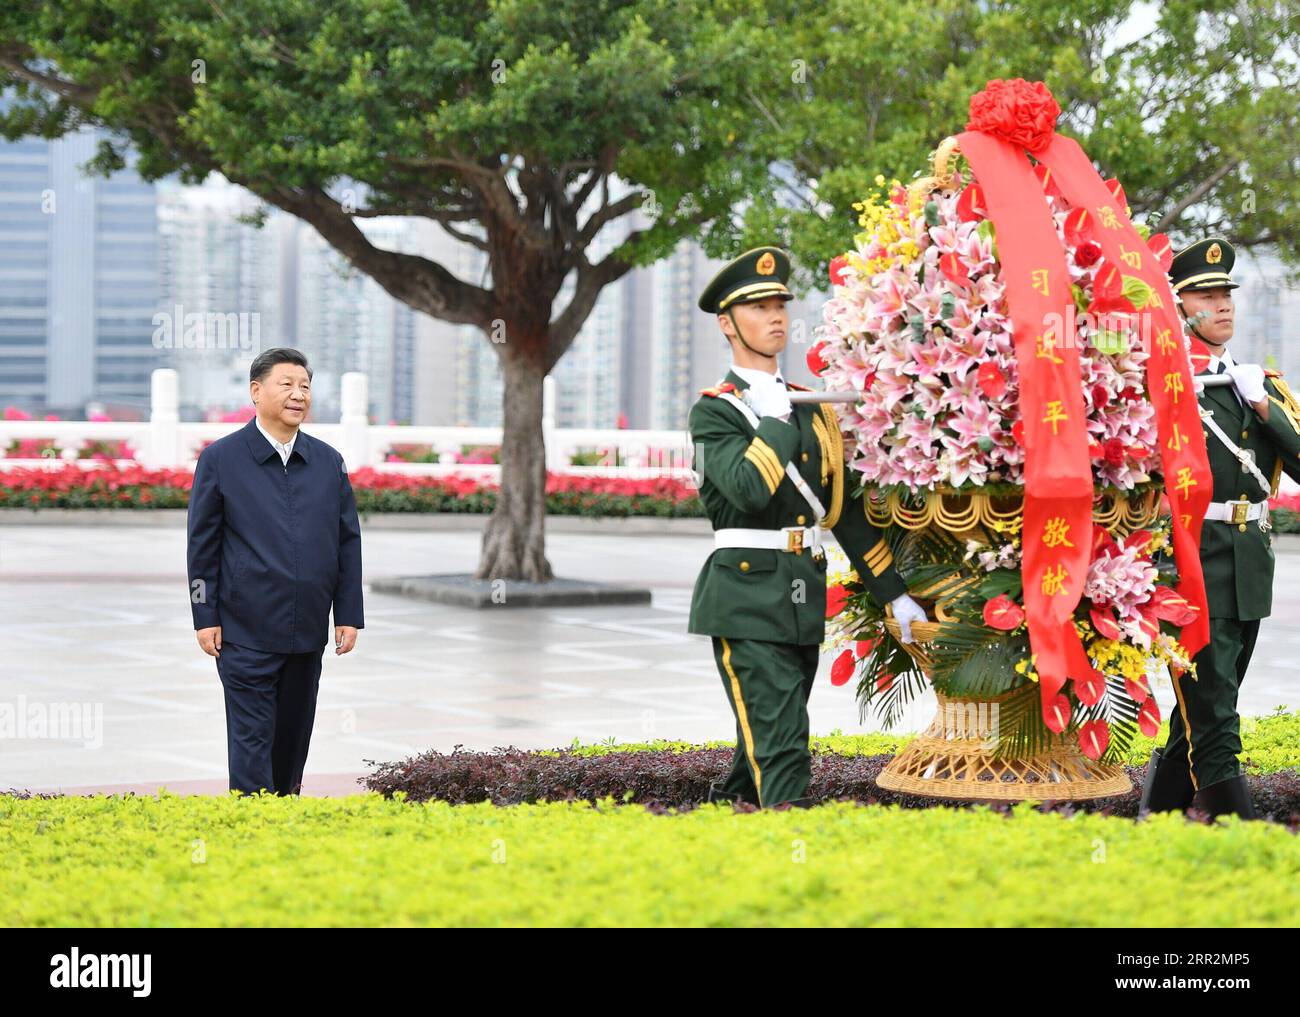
(78, 280)
(346, 321)
(458, 378)
(1268, 305)
(589, 379)
(226, 284)
(688, 351)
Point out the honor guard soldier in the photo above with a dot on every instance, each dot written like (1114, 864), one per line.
(1252, 434)
(771, 478)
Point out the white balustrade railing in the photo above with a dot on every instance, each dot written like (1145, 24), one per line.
(165, 441)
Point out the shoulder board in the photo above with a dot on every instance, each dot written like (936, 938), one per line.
(797, 388)
(1270, 373)
(718, 390)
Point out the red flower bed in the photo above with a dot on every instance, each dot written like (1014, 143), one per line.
(140, 487)
(73, 487)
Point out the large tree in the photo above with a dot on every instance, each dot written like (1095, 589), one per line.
(523, 129)
(526, 129)
(1190, 103)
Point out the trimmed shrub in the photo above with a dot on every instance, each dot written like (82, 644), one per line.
(678, 774)
(367, 860)
(681, 779)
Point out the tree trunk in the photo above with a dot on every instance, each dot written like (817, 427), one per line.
(514, 543)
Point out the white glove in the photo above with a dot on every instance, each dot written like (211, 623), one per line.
(769, 399)
(1249, 381)
(906, 611)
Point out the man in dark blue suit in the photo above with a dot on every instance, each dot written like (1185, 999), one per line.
(274, 545)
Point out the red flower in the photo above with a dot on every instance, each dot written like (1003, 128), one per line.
(1117, 189)
(953, 269)
(1113, 450)
(1045, 178)
(1056, 715)
(838, 264)
(1094, 736)
(866, 647)
(1087, 254)
(1100, 397)
(1089, 688)
(1108, 292)
(815, 362)
(1018, 432)
(1103, 620)
(836, 597)
(991, 380)
(1017, 111)
(1160, 246)
(1003, 613)
(1131, 394)
(1168, 605)
(1078, 228)
(1147, 620)
(1138, 539)
(842, 669)
(1137, 689)
(1103, 543)
(970, 205)
(1149, 717)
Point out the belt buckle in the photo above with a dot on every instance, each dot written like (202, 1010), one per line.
(1240, 511)
(794, 540)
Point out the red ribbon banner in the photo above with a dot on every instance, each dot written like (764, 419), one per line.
(1186, 468)
(1057, 533)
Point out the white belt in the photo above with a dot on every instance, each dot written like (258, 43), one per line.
(789, 538)
(1236, 511)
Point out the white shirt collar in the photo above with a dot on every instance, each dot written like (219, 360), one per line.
(284, 448)
(1226, 357)
(756, 377)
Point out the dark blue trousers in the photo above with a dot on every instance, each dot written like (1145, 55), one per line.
(270, 708)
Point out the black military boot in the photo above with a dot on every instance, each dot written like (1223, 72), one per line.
(718, 796)
(1168, 785)
(797, 803)
(1229, 797)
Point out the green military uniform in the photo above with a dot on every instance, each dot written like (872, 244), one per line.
(765, 607)
(1198, 764)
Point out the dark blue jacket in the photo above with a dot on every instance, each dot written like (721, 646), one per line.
(272, 547)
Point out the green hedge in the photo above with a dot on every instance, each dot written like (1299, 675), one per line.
(364, 860)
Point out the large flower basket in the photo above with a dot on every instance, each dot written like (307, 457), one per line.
(1026, 435)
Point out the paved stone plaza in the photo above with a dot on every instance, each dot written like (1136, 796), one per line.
(98, 615)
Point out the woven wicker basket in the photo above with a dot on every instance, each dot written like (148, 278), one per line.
(954, 757)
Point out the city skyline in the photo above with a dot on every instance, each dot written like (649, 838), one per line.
(94, 271)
